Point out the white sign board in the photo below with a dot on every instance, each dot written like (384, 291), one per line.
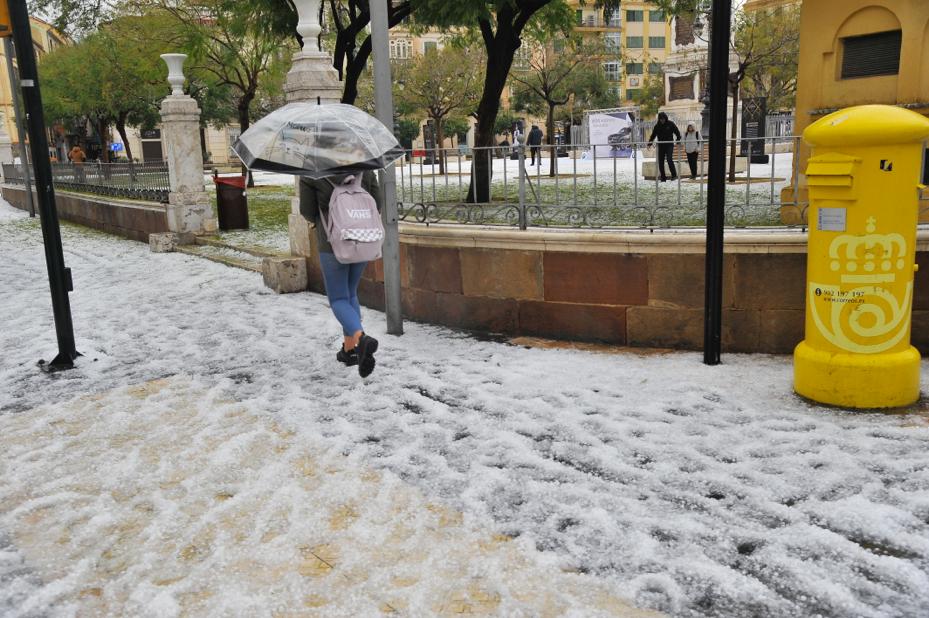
(832, 219)
(613, 131)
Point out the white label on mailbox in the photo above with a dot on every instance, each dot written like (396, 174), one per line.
(832, 219)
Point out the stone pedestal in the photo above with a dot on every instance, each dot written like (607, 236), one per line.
(311, 76)
(190, 208)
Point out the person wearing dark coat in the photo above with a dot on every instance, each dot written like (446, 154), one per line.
(535, 142)
(665, 132)
(341, 279)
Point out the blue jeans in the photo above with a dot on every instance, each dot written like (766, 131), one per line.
(342, 290)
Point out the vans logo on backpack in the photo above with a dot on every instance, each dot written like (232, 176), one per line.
(359, 214)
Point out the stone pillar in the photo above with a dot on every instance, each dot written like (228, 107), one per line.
(190, 207)
(311, 75)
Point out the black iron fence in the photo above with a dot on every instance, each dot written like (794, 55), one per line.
(596, 186)
(146, 181)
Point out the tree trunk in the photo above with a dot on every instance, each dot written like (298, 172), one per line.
(440, 142)
(499, 61)
(121, 129)
(102, 130)
(244, 104)
(734, 130)
(353, 72)
(550, 139)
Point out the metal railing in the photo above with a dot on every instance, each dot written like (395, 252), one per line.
(148, 181)
(593, 187)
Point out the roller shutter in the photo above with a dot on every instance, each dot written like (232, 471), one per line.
(871, 54)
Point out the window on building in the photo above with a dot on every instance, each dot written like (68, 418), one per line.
(871, 54)
(654, 67)
(429, 45)
(614, 21)
(579, 17)
(614, 91)
(655, 16)
(613, 40)
(634, 42)
(611, 71)
(635, 16)
(634, 68)
(632, 93)
(400, 49)
(521, 58)
(656, 42)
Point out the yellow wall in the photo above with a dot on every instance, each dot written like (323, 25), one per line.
(45, 38)
(824, 23)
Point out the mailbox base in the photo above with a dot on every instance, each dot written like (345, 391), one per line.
(864, 381)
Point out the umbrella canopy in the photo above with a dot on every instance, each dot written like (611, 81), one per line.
(306, 139)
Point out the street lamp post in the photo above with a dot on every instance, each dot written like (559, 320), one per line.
(59, 277)
(716, 181)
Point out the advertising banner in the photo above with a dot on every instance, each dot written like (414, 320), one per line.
(613, 129)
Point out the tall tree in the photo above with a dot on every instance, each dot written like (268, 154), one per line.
(552, 77)
(501, 24)
(112, 77)
(438, 83)
(762, 41)
(229, 41)
(651, 96)
(76, 17)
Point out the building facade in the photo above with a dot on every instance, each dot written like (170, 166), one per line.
(636, 41)
(45, 38)
(855, 52)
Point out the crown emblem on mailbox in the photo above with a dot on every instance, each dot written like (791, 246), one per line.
(873, 258)
(865, 311)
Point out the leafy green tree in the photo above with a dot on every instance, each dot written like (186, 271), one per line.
(458, 127)
(504, 122)
(651, 96)
(552, 78)
(76, 17)
(762, 41)
(111, 77)
(438, 83)
(406, 130)
(500, 24)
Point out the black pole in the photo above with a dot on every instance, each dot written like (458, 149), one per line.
(59, 277)
(716, 180)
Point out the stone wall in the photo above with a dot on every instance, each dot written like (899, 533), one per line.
(624, 288)
(133, 220)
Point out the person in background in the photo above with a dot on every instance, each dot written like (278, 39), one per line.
(692, 145)
(665, 132)
(534, 140)
(77, 158)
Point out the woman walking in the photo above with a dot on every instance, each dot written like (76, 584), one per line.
(341, 279)
(692, 148)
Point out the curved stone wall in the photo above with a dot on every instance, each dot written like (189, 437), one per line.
(627, 288)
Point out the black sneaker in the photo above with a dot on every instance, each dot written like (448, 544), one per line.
(366, 348)
(349, 359)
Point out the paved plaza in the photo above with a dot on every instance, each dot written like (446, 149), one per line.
(209, 457)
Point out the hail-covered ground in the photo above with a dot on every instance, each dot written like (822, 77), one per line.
(695, 490)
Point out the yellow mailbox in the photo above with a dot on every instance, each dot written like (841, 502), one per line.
(864, 182)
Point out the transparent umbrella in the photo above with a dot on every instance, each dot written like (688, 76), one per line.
(306, 139)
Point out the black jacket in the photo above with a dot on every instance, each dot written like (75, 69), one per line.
(665, 132)
(535, 137)
(315, 195)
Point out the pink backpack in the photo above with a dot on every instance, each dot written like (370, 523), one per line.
(353, 227)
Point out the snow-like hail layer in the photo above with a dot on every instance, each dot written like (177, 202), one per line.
(700, 491)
